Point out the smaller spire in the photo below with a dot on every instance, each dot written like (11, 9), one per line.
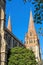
(9, 24)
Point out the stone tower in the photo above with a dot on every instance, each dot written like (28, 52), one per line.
(9, 25)
(2, 40)
(31, 39)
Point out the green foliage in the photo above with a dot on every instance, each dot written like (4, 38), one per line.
(21, 56)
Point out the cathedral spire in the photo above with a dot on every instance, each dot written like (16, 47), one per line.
(31, 23)
(31, 39)
(9, 24)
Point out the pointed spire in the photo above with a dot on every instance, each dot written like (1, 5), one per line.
(31, 23)
(9, 24)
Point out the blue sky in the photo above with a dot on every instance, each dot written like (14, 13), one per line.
(19, 14)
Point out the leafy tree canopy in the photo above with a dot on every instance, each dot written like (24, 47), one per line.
(21, 56)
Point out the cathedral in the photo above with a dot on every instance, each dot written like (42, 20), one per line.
(8, 40)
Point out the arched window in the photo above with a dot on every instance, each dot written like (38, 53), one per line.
(34, 40)
(27, 42)
(30, 41)
(30, 33)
